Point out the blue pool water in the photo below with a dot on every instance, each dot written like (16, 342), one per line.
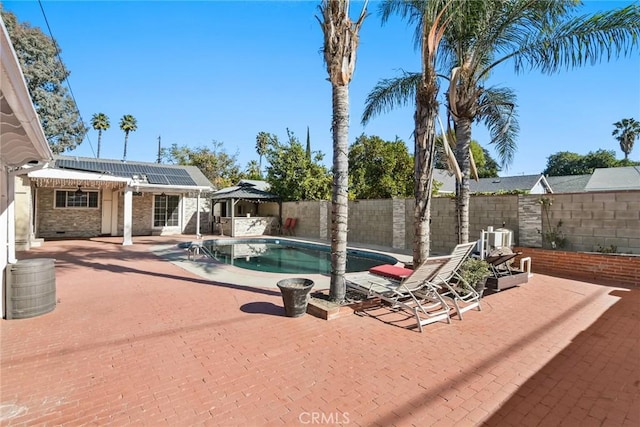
(286, 256)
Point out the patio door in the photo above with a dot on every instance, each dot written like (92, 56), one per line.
(166, 212)
(109, 212)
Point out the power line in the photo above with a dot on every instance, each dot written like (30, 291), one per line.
(46, 21)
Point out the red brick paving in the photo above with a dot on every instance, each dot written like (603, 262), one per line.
(136, 340)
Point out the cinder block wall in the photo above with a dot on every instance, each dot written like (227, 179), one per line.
(590, 220)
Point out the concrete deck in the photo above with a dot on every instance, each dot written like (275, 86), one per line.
(138, 340)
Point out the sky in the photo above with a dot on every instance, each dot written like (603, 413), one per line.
(196, 72)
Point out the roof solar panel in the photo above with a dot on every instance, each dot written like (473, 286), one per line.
(163, 175)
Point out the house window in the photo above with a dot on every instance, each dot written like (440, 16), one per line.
(165, 211)
(74, 199)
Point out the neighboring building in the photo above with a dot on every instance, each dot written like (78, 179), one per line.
(568, 183)
(87, 197)
(531, 184)
(613, 179)
(23, 147)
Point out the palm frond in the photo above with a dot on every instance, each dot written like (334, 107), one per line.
(391, 93)
(498, 113)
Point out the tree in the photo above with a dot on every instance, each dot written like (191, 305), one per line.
(308, 144)
(431, 19)
(253, 170)
(293, 176)
(486, 165)
(263, 139)
(100, 122)
(568, 163)
(540, 35)
(215, 163)
(128, 123)
(626, 132)
(380, 169)
(341, 40)
(44, 72)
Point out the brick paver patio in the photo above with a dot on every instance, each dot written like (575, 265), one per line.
(136, 340)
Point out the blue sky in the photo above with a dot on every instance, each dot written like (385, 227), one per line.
(194, 72)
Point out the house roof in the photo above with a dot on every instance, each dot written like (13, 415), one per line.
(492, 185)
(141, 173)
(622, 178)
(568, 183)
(246, 190)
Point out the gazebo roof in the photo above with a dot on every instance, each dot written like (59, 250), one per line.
(245, 190)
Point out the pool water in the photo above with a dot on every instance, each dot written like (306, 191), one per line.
(286, 256)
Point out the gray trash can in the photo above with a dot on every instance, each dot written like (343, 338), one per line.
(31, 288)
(295, 295)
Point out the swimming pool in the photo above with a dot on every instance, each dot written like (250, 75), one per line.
(286, 256)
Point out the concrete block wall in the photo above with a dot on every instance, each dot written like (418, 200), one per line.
(590, 220)
(596, 220)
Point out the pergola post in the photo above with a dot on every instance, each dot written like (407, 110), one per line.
(128, 215)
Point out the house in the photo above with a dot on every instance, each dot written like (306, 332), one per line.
(614, 179)
(531, 184)
(568, 183)
(87, 197)
(23, 147)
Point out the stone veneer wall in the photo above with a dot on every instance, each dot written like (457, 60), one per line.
(189, 215)
(60, 223)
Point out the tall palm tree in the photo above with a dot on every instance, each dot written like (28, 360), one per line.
(540, 35)
(626, 132)
(262, 144)
(431, 19)
(100, 122)
(128, 123)
(340, 45)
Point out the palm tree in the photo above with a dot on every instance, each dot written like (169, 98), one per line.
(100, 122)
(128, 123)
(539, 35)
(431, 19)
(262, 144)
(340, 45)
(626, 132)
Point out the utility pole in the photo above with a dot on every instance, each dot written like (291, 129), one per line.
(159, 151)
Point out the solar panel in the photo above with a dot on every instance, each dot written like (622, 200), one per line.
(163, 175)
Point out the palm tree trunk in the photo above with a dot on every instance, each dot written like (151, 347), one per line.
(339, 200)
(425, 119)
(463, 140)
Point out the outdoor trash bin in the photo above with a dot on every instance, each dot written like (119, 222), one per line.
(295, 295)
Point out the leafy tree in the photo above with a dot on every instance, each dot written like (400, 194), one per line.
(215, 163)
(626, 132)
(45, 73)
(263, 139)
(128, 123)
(292, 175)
(341, 40)
(100, 122)
(486, 165)
(568, 163)
(380, 169)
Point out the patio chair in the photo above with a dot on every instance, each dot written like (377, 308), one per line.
(453, 287)
(429, 307)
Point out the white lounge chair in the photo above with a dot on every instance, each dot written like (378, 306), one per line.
(429, 307)
(454, 288)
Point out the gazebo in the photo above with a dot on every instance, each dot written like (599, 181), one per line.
(246, 209)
